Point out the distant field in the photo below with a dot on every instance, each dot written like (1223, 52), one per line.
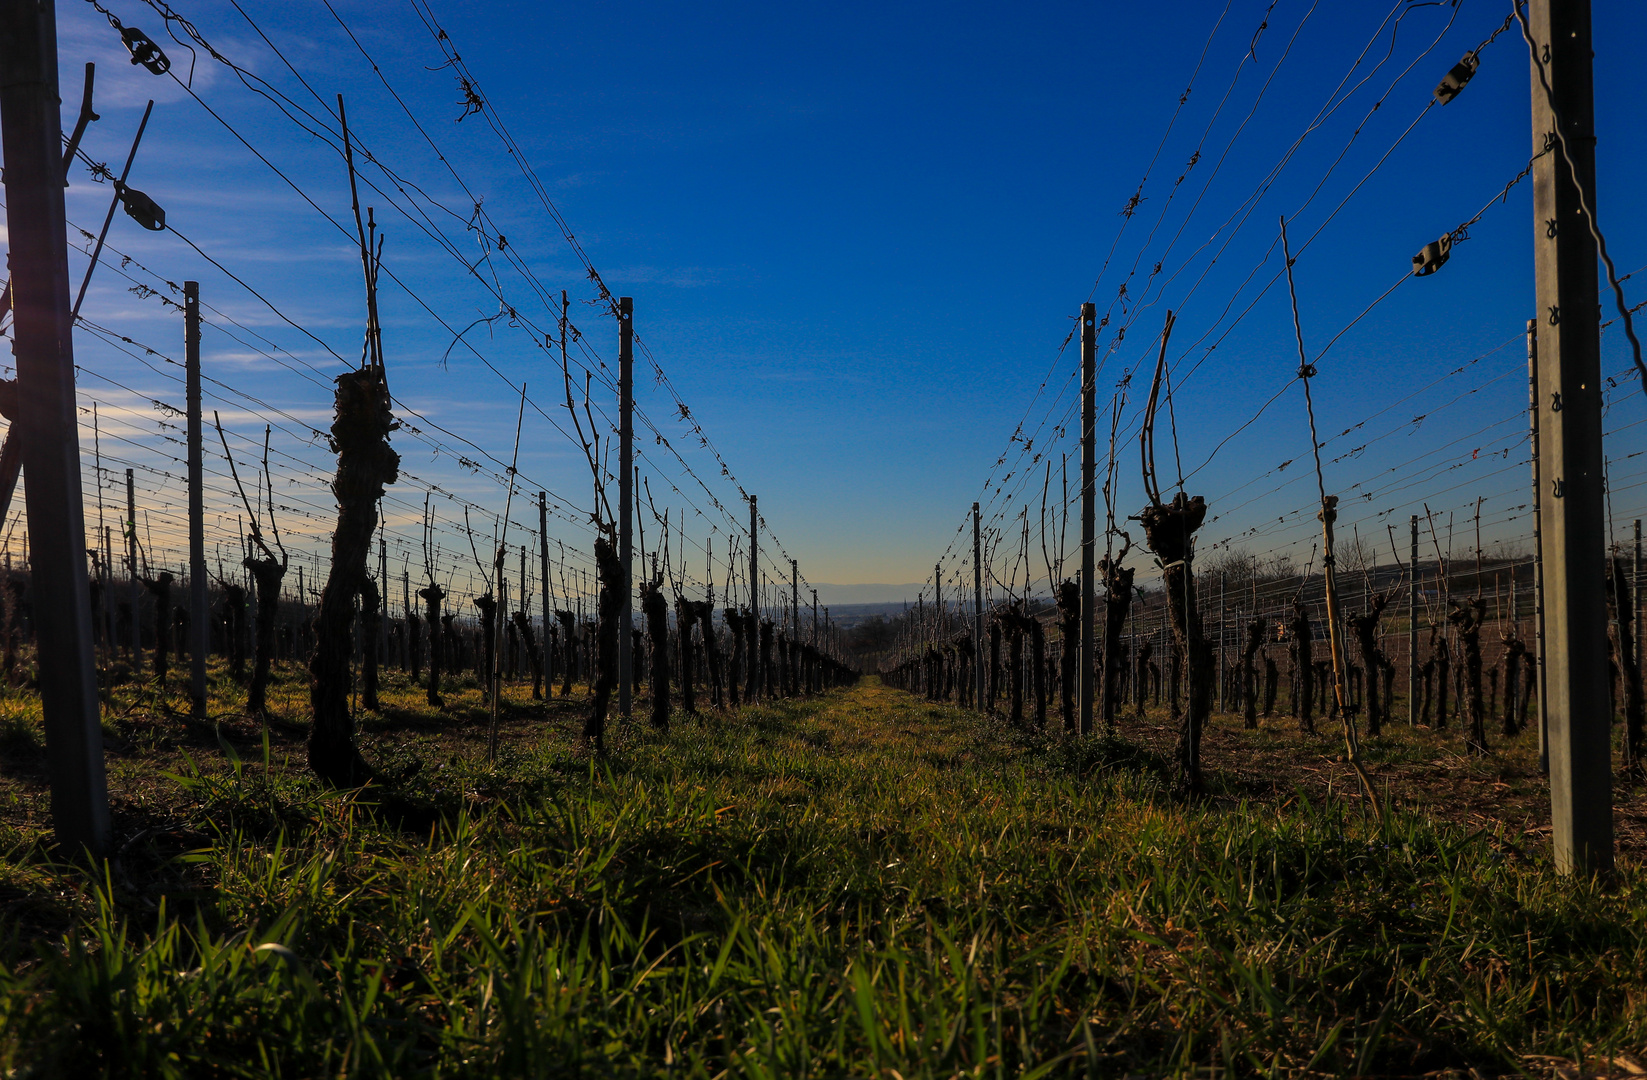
(862, 885)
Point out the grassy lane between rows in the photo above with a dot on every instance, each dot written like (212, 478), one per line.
(863, 885)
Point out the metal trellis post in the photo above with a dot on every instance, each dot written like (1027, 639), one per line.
(1539, 650)
(1570, 450)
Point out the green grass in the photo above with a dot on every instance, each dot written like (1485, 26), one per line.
(862, 886)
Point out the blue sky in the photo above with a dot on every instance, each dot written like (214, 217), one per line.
(857, 236)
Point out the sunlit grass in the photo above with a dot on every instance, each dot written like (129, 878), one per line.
(867, 885)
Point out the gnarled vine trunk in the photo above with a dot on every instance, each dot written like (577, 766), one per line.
(994, 663)
(568, 650)
(437, 646)
(361, 423)
(752, 627)
(1140, 675)
(234, 626)
(488, 643)
(1249, 674)
(1169, 530)
(161, 589)
(769, 675)
(1012, 622)
(1272, 683)
(704, 612)
(414, 645)
(656, 610)
(1365, 628)
(1468, 615)
(1303, 665)
(1069, 633)
(1443, 678)
(432, 596)
(529, 643)
(734, 677)
(1038, 657)
(369, 615)
(786, 685)
(614, 587)
(267, 574)
(1117, 581)
(685, 616)
(1635, 723)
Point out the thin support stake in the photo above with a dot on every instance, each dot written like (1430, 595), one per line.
(1328, 514)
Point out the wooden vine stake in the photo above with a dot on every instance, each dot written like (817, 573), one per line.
(495, 619)
(1329, 514)
(432, 595)
(1117, 581)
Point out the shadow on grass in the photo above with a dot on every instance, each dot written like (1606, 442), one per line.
(1083, 758)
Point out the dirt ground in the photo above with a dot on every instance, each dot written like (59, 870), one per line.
(1416, 768)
